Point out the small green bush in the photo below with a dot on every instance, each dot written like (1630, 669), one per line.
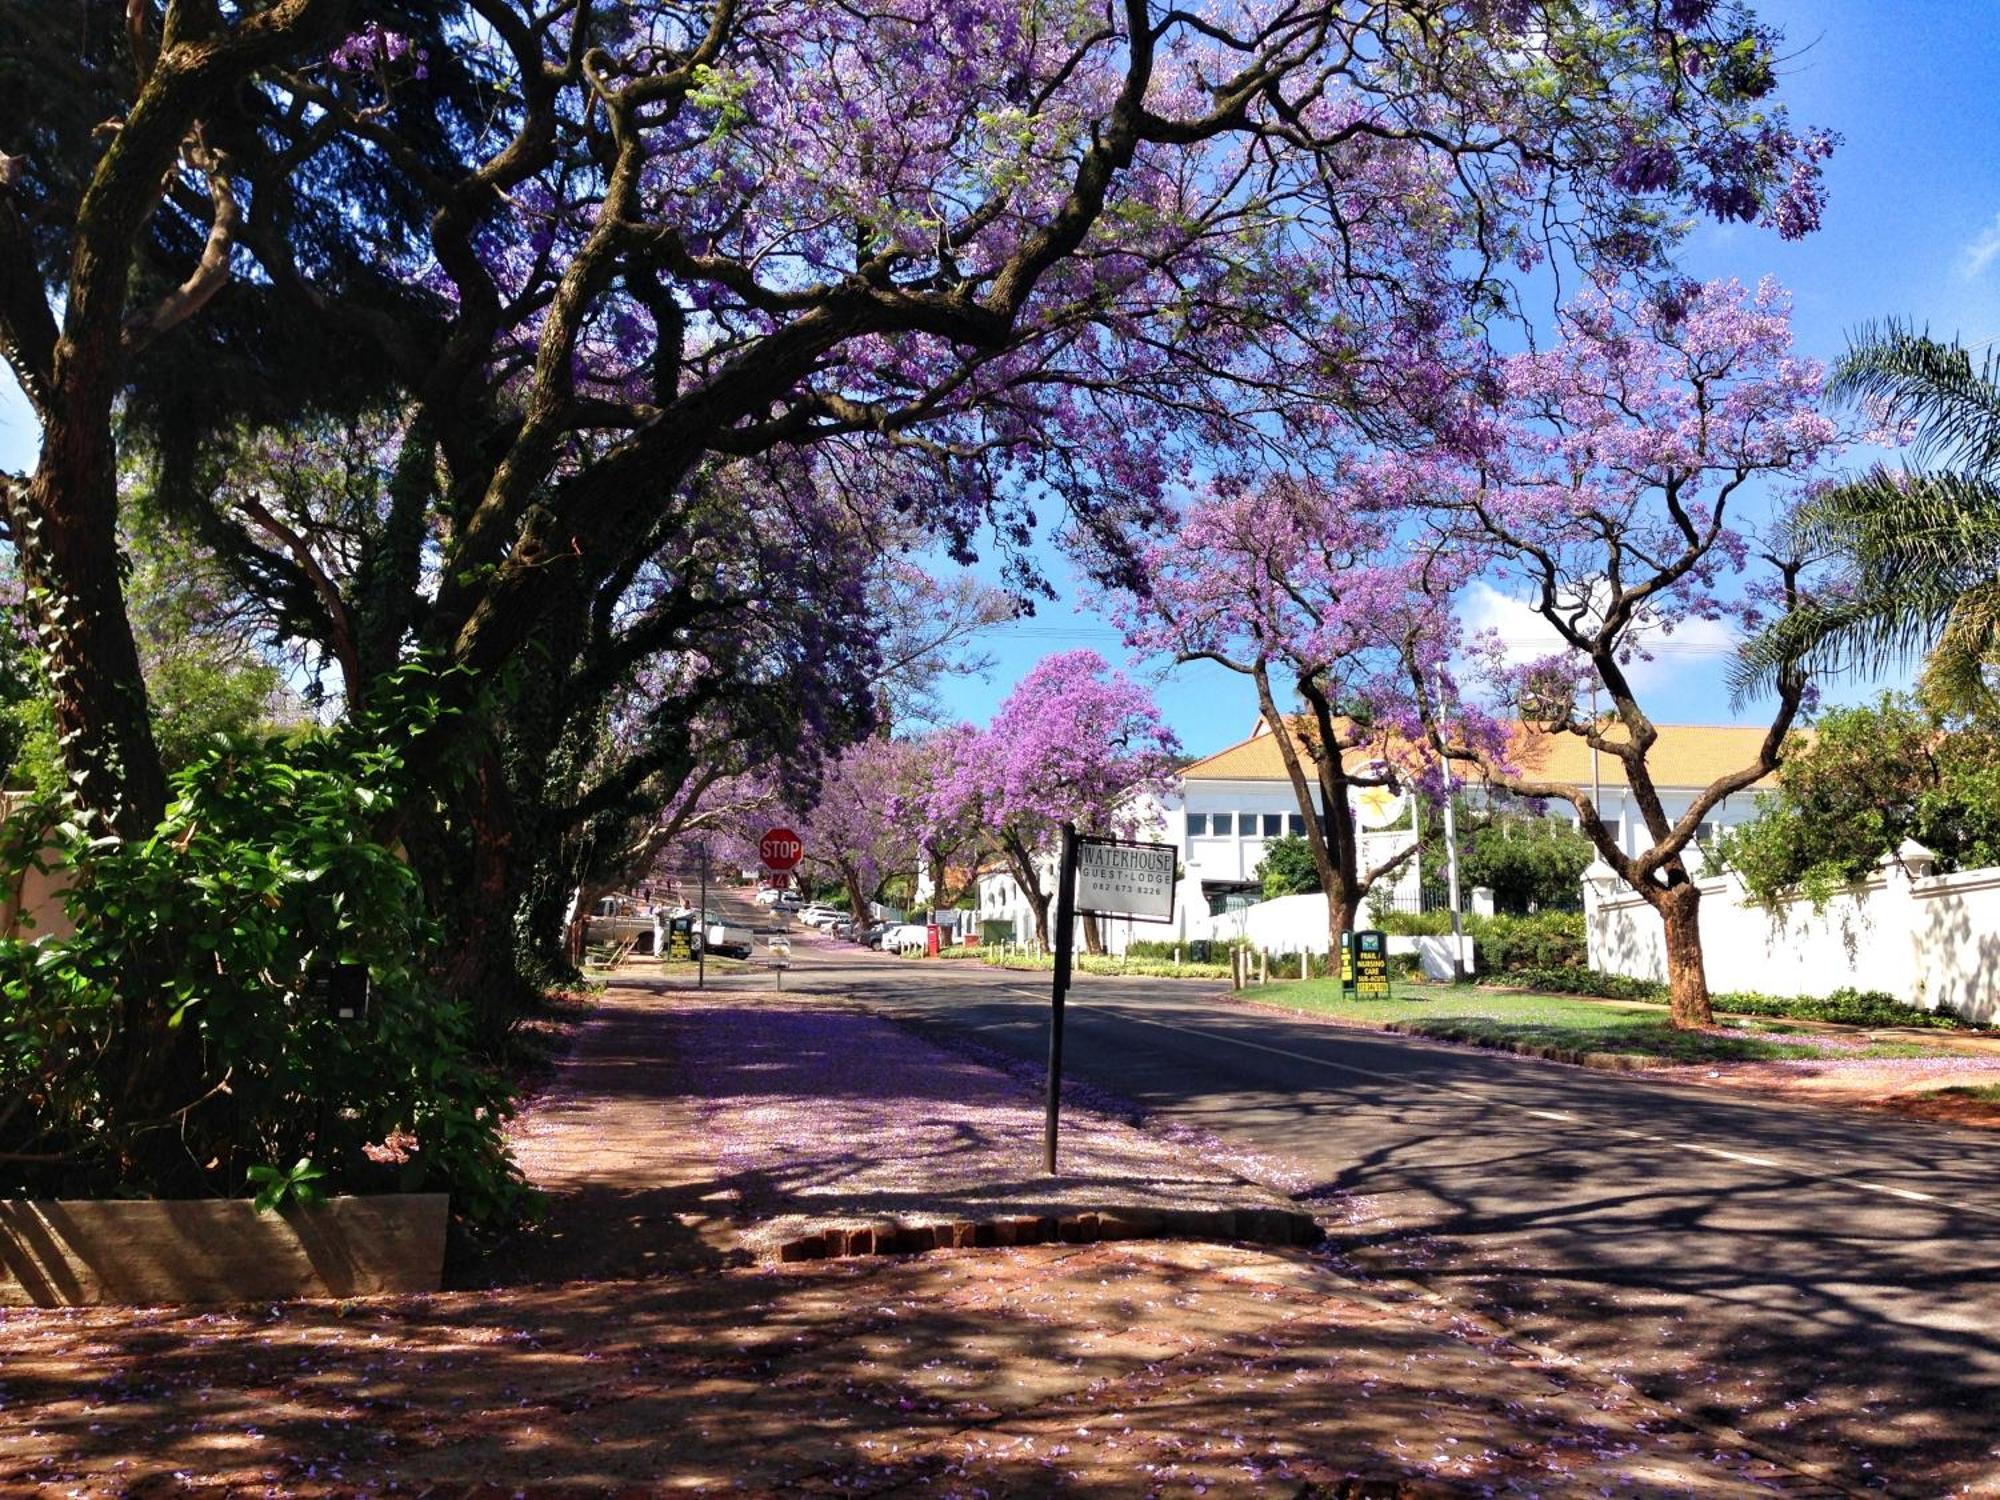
(1849, 1007)
(1418, 923)
(1546, 940)
(1579, 981)
(183, 1038)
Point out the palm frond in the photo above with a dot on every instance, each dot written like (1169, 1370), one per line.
(1889, 522)
(1912, 377)
(1957, 674)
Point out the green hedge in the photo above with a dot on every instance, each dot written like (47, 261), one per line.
(1547, 940)
(1847, 1007)
(1850, 1007)
(1578, 981)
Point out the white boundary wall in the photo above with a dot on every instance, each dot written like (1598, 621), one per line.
(1930, 940)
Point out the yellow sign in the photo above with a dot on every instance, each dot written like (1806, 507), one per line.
(1379, 806)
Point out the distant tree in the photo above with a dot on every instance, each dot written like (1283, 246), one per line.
(1287, 868)
(1615, 485)
(849, 834)
(1530, 863)
(1312, 590)
(1872, 779)
(1074, 742)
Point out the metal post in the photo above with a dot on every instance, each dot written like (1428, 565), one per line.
(701, 953)
(1596, 784)
(1451, 859)
(1065, 946)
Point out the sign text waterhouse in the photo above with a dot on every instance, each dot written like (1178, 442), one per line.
(1118, 878)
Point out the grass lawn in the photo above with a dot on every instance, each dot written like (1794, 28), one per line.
(1472, 1015)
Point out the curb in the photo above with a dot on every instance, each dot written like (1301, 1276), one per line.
(1256, 1226)
(1606, 1062)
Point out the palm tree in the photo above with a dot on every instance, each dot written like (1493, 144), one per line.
(1921, 544)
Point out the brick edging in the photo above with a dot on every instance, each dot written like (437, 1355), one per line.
(1258, 1226)
(1608, 1062)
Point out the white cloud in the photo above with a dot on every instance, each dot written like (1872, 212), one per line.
(1694, 644)
(1980, 254)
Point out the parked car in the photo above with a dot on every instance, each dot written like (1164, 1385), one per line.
(821, 917)
(906, 937)
(871, 935)
(770, 895)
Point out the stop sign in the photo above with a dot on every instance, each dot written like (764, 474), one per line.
(780, 849)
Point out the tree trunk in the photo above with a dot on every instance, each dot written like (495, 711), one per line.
(67, 533)
(1039, 905)
(1093, 940)
(480, 902)
(1340, 914)
(1687, 980)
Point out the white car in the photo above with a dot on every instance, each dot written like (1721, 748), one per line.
(769, 896)
(821, 916)
(907, 937)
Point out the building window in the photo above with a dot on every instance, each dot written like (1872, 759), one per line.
(1274, 824)
(1296, 823)
(1246, 824)
(1219, 824)
(1197, 825)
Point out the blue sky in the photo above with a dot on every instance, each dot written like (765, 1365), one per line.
(1912, 231)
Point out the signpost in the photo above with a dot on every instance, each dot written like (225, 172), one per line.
(781, 850)
(1100, 878)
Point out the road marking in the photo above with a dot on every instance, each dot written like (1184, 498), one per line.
(1841, 1178)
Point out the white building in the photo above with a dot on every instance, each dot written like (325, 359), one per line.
(1229, 806)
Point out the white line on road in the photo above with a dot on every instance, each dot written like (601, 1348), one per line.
(1840, 1178)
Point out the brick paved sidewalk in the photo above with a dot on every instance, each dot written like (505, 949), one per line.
(1160, 1368)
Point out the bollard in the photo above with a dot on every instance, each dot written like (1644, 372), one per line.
(1263, 967)
(1302, 965)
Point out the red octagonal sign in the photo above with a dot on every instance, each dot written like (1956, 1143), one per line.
(780, 849)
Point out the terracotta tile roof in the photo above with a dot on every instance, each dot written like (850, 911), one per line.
(1684, 756)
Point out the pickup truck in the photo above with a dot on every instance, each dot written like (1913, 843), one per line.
(721, 936)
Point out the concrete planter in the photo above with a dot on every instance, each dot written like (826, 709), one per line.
(79, 1254)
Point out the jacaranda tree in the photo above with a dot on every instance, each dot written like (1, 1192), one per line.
(1619, 484)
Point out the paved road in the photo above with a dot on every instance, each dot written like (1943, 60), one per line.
(1823, 1280)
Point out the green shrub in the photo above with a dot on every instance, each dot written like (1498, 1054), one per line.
(1849, 1007)
(1546, 940)
(183, 1040)
(1167, 948)
(1417, 923)
(1579, 981)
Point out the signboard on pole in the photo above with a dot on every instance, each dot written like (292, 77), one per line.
(1371, 966)
(1119, 878)
(680, 939)
(781, 850)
